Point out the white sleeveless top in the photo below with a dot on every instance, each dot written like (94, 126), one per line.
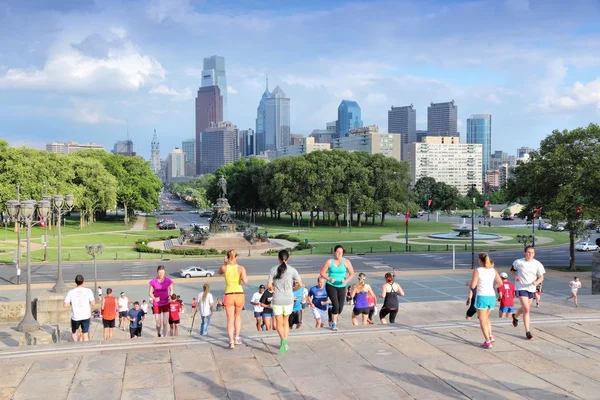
(485, 285)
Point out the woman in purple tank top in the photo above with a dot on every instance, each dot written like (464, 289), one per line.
(361, 303)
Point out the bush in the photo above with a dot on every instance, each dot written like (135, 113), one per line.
(142, 247)
(300, 244)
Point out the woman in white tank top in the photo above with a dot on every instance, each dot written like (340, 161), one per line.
(483, 280)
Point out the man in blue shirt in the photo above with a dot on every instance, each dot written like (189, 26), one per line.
(296, 315)
(319, 301)
(136, 316)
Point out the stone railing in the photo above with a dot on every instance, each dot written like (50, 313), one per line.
(12, 311)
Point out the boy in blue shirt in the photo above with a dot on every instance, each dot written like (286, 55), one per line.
(296, 315)
(136, 316)
(319, 301)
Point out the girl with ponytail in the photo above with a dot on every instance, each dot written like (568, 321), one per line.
(283, 280)
(361, 305)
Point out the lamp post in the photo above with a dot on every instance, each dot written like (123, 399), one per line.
(473, 227)
(93, 249)
(18, 238)
(526, 240)
(26, 210)
(59, 203)
(406, 216)
(47, 198)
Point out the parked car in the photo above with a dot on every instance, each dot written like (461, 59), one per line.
(205, 214)
(558, 228)
(546, 227)
(508, 218)
(191, 272)
(465, 216)
(586, 246)
(168, 225)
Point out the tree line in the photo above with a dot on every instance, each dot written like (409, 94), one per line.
(100, 181)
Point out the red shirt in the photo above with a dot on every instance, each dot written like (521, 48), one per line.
(174, 308)
(508, 294)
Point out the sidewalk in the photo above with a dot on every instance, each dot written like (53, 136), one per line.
(433, 353)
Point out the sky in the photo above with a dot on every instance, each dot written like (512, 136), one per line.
(91, 71)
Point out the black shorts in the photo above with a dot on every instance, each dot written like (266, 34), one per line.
(173, 322)
(122, 314)
(295, 318)
(133, 332)
(525, 293)
(84, 324)
(358, 311)
(108, 323)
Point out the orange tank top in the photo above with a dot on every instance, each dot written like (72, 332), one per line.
(108, 313)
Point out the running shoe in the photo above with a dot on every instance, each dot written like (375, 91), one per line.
(334, 326)
(284, 347)
(492, 338)
(515, 321)
(158, 334)
(529, 335)
(486, 345)
(231, 345)
(238, 340)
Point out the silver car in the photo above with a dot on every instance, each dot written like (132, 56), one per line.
(192, 272)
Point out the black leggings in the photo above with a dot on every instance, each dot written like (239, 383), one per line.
(371, 312)
(337, 295)
(385, 311)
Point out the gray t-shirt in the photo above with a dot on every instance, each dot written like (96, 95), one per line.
(284, 288)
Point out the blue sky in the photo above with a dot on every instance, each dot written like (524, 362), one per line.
(84, 70)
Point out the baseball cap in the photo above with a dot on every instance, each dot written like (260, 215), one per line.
(504, 275)
(261, 287)
(122, 293)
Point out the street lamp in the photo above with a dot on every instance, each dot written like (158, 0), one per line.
(406, 217)
(93, 249)
(59, 202)
(26, 210)
(49, 200)
(473, 227)
(526, 240)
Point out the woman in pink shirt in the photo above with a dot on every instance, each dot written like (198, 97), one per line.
(161, 289)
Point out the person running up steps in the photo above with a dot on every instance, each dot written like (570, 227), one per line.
(284, 279)
(161, 288)
(507, 297)
(135, 316)
(124, 304)
(528, 273)
(361, 305)
(233, 299)
(80, 299)
(337, 272)
(109, 313)
(483, 280)
(319, 302)
(575, 285)
(174, 319)
(390, 292)
(258, 309)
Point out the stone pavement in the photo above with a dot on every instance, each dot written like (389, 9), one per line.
(433, 353)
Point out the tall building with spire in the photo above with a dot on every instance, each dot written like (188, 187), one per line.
(261, 120)
(277, 127)
(155, 154)
(213, 74)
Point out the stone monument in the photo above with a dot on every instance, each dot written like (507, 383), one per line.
(221, 222)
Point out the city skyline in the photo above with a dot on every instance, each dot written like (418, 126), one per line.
(541, 75)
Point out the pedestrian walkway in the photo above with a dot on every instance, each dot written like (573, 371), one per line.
(140, 223)
(431, 353)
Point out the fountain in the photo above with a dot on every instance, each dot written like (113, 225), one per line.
(464, 232)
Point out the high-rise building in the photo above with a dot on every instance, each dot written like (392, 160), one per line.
(124, 147)
(325, 135)
(442, 119)
(456, 164)
(277, 127)
(349, 117)
(479, 130)
(176, 164)
(248, 143)
(71, 147)
(499, 159)
(296, 138)
(189, 149)
(261, 121)
(370, 140)
(492, 180)
(219, 146)
(403, 120)
(209, 109)
(155, 154)
(213, 74)
(307, 145)
(522, 151)
(421, 135)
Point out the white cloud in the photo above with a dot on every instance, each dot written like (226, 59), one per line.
(89, 111)
(164, 90)
(120, 32)
(377, 98)
(493, 98)
(344, 94)
(231, 90)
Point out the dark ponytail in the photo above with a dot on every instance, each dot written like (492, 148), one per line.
(283, 256)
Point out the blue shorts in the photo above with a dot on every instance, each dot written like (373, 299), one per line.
(485, 302)
(525, 293)
(258, 314)
(268, 315)
(507, 309)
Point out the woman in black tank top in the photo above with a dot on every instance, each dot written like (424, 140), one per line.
(390, 292)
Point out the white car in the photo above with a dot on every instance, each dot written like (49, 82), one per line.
(192, 272)
(586, 246)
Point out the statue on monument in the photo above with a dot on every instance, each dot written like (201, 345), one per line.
(223, 187)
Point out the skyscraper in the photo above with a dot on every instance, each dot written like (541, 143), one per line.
(403, 120)
(124, 147)
(248, 143)
(213, 74)
(277, 127)
(155, 154)
(479, 131)
(261, 121)
(209, 109)
(176, 165)
(442, 119)
(219, 146)
(349, 117)
(189, 149)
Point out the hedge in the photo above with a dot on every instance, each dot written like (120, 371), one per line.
(142, 247)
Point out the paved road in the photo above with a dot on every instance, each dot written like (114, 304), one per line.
(133, 270)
